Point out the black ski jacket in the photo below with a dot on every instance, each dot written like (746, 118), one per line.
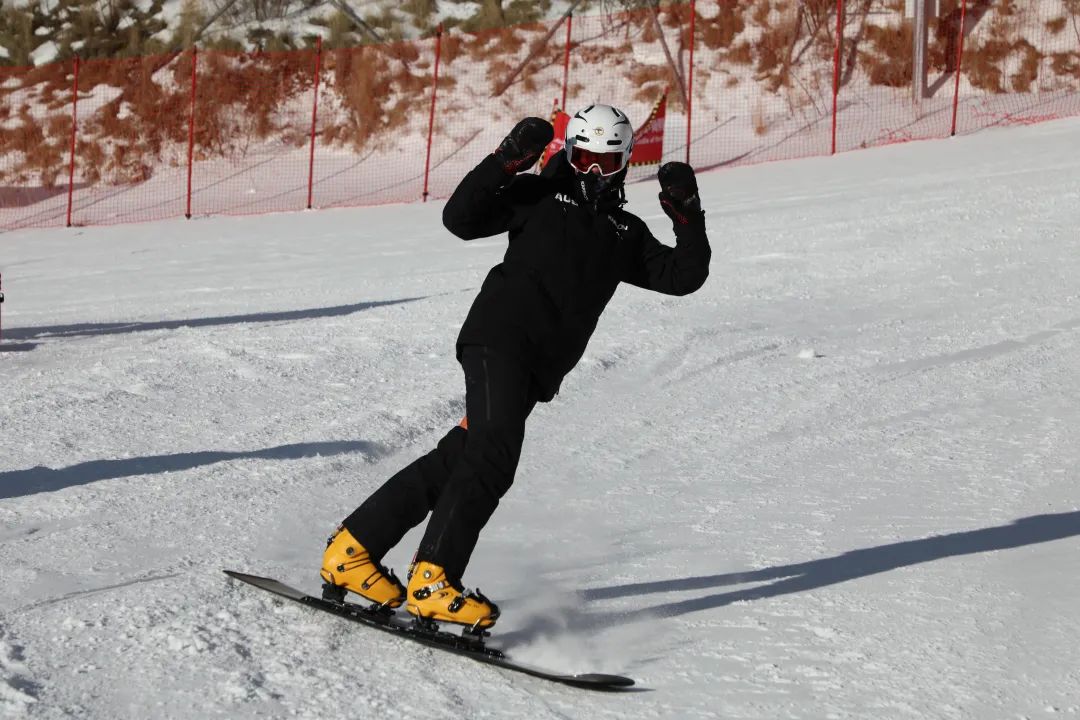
(562, 266)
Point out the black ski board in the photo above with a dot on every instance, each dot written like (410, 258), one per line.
(469, 647)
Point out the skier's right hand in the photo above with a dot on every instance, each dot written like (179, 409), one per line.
(524, 145)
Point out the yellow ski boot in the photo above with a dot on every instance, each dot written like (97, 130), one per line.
(432, 596)
(346, 565)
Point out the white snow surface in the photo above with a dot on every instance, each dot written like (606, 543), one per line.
(839, 481)
(45, 53)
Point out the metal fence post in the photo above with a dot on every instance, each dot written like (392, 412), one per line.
(74, 129)
(431, 117)
(836, 69)
(314, 119)
(920, 51)
(959, 64)
(690, 81)
(566, 60)
(191, 128)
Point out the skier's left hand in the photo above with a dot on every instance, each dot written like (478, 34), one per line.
(679, 193)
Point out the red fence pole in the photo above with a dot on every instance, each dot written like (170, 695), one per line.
(191, 128)
(314, 118)
(959, 63)
(74, 128)
(836, 68)
(566, 60)
(431, 117)
(690, 81)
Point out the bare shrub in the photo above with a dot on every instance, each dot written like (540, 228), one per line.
(376, 89)
(1066, 64)
(41, 158)
(760, 123)
(888, 59)
(1056, 25)
(774, 53)
(982, 65)
(760, 12)
(741, 53)
(243, 11)
(1028, 72)
(722, 31)
(646, 78)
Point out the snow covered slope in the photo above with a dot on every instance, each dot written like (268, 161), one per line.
(839, 481)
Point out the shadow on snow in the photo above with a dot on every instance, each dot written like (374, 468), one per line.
(16, 483)
(800, 577)
(807, 576)
(87, 329)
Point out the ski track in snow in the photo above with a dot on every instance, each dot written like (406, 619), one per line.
(839, 481)
(17, 691)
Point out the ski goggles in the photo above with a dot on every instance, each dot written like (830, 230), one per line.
(585, 160)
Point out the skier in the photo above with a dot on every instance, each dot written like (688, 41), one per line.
(570, 245)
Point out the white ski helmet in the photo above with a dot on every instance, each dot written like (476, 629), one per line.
(599, 136)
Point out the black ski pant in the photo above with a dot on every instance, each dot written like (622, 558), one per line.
(461, 481)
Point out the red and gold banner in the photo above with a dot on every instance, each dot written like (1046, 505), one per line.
(559, 120)
(649, 138)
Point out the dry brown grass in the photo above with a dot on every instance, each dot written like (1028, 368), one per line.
(377, 88)
(1028, 72)
(1066, 64)
(774, 53)
(1055, 26)
(722, 30)
(453, 46)
(42, 159)
(759, 12)
(649, 79)
(648, 33)
(241, 97)
(760, 123)
(888, 56)
(39, 144)
(239, 102)
(982, 65)
(741, 53)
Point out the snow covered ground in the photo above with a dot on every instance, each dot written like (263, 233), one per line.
(840, 481)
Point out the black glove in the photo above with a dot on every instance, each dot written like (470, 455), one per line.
(679, 193)
(524, 145)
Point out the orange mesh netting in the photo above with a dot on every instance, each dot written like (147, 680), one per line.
(242, 125)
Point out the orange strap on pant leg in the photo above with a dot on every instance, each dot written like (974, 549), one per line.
(464, 422)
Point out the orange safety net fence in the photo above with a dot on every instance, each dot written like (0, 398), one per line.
(205, 133)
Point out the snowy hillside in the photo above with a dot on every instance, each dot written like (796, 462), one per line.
(839, 481)
(249, 24)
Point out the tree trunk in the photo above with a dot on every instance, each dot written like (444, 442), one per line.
(667, 52)
(538, 47)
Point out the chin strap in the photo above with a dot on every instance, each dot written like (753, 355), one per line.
(622, 196)
(605, 200)
(609, 199)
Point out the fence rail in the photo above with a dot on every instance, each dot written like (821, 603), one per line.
(203, 133)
